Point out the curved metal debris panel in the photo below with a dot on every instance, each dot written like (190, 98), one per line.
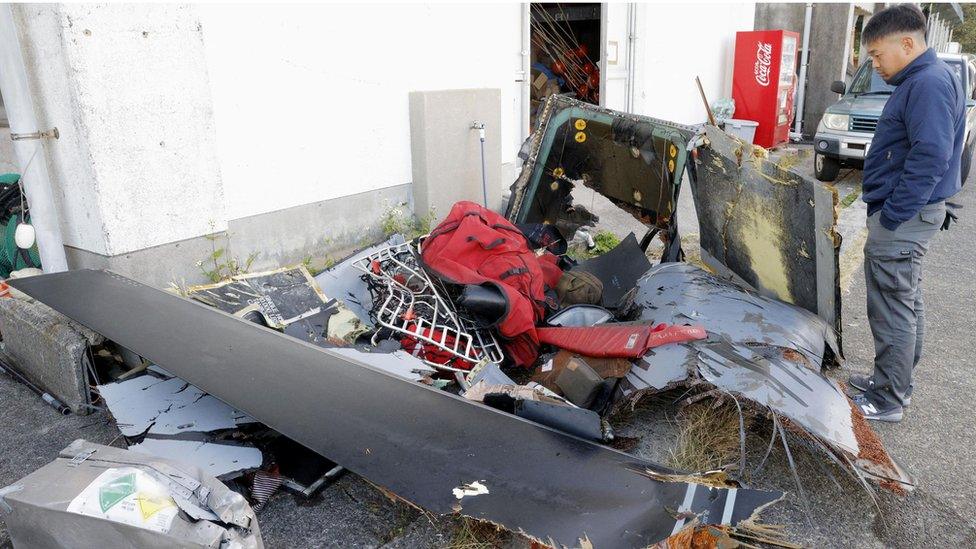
(416, 441)
(765, 350)
(769, 225)
(680, 293)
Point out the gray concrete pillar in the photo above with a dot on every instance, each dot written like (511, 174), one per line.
(135, 169)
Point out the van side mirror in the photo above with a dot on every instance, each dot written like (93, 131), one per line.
(970, 103)
(838, 86)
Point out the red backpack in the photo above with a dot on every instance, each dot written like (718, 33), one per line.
(474, 245)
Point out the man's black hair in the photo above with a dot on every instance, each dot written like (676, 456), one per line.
(900, 18)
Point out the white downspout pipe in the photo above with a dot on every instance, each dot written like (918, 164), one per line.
(33, 179)
(631, 58)
(802, 81)
(526, 73)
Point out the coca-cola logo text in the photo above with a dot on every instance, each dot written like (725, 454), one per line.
(764, 58)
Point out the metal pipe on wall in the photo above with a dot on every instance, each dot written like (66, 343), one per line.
(526, 106)
(631, 56)
(34, 177)
(802, 82)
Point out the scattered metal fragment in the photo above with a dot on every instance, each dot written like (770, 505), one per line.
(547, 485)
(151, 405)
(280, 298)
(765, 377)
(769, 352)
(398, 363)
(570, 419)
(658, 369)
(471, 489)
(215, 459)
(676, 293)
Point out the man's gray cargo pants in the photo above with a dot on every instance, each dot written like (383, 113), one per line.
(893, 272)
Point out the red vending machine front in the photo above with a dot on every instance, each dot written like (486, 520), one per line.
(763, 82)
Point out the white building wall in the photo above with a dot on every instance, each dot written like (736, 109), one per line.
(176, 120)
(680, 41)
(311, 101)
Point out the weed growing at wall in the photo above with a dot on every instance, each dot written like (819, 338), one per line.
(219, 265)
(397, 220)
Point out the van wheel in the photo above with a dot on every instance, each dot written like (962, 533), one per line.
(825, 168)
(967, 161)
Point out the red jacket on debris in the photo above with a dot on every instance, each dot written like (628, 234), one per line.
(474, 245)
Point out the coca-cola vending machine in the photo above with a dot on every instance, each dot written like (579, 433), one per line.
(763, 82)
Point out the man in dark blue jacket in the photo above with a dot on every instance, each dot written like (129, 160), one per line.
(911, 169)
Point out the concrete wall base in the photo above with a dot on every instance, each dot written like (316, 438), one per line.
(159, 266)
(317, 231)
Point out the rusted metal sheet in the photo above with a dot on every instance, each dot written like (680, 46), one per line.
(771, 227)
(427, 446)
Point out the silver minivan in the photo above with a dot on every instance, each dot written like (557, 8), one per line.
(844, 134)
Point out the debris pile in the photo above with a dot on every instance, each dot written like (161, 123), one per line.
(474, 370)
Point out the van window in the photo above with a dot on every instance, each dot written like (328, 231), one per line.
(868, 81)
(956, 67)
(970, 91)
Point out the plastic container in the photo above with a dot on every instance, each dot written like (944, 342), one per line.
(743, 129)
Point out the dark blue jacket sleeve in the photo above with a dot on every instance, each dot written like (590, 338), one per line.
(931, 129)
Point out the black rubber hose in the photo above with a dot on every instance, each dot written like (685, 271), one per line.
(45, 396)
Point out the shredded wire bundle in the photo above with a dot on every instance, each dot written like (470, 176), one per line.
(570, 60)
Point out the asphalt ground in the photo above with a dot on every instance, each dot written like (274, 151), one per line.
(934, 442)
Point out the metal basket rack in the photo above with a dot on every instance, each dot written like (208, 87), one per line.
(408, 301)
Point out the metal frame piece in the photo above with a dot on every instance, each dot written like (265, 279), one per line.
(407, 301)
(428, 446)
(635, 161)
(761, 223)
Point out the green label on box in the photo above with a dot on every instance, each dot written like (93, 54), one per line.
(116, 490)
